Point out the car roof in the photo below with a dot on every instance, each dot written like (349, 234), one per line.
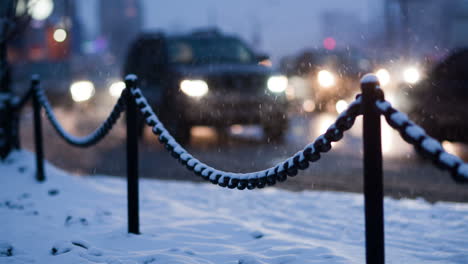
(205, 33)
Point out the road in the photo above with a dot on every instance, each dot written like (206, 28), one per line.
(406, 175)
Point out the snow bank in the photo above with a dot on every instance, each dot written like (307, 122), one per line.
(73, 219)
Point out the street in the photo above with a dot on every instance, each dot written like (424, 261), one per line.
(244, 150)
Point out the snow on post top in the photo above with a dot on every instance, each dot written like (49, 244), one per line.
(369, 78)
(35, 77)
(131, 77)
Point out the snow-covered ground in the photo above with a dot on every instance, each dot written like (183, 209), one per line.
(71, 219)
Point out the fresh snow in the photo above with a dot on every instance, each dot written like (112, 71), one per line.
(76, 219)
(369, 78)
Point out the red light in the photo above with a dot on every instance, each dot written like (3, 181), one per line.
(329, 43)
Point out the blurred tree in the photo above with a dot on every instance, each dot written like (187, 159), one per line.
(12, 20)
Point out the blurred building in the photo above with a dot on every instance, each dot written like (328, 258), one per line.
(343, 28)
(120, 22)
(418, 28)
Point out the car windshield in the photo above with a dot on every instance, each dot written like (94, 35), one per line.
(208, 50)
(342, 61)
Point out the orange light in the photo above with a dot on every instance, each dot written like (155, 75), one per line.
(266, 63)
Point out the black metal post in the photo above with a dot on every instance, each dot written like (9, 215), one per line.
(40, 176)
(132, 157)
(373, 175)
(7, 11)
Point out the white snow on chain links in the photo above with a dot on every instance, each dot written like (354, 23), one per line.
(89, 139)
(219, 176)
(428, 144)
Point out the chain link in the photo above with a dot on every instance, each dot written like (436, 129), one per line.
(88, 140)
(427, 146)
(19, 102)
(259, 179)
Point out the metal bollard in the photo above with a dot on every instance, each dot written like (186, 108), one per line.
(373, 175)
(40, 176)
(6, 114)
(132, 157)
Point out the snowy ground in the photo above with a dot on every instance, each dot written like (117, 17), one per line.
(71, 219)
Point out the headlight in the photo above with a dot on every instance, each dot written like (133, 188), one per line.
(325, 78)
(411, 75)
(194, 88)
(384, 76)
(115, 89)
(82, 91)
(277, 84)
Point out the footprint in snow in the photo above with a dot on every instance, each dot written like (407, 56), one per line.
(6, 249)
(24, 196)
(53, 192)
(257, 234)
(62, 247)
(22, 169)
(248, 260)
(12, 205)
(70, 220)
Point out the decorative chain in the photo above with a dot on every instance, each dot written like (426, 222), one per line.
(88, 140)
(20, 102)
(427, 146)
(259, 179)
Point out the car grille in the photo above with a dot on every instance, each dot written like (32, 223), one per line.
(238, 83)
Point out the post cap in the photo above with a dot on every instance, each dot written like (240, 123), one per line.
(35, 78)
(131, 77)
(369, 78)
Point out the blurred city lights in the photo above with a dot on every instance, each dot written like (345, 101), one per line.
(277, 84)
(266, 63)
(384, 76)
(115, 89)
(450, 147)
(308, 105)
(203, 132)
(237, 129)
(411, 75)
(326, 78)
(60, 35)
(340, 106)
(82, 91)
(329, 43)
(40, 9)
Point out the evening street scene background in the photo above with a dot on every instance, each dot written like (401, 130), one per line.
(241, 86)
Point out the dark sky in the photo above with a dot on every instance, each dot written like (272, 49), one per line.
(285, 26)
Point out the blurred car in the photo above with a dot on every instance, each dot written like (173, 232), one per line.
(333, 75)
(439, 102)
(208, 78)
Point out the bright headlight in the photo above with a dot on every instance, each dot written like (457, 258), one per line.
(384, 76)
(411, 75)
(82, 91)
(194, 88)
(115, 89)
(277, 84)
(325, 78)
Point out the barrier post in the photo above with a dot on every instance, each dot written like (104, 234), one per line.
(40, 176)
(132, 157)
(373, 175)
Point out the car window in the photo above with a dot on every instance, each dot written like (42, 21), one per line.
(208, 50)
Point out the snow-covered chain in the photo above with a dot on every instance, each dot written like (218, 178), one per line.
(410, 132)
(426, 145)
(259, 179)
(88, 140)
